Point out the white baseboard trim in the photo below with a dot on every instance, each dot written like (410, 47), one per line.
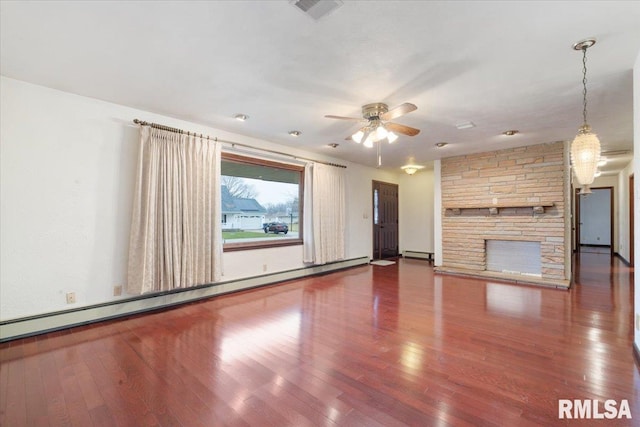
(48, 322)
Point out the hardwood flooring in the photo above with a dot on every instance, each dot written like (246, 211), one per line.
(369, 346)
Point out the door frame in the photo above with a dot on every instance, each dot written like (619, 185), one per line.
(374, 184)
(611, 216)
(631, 220)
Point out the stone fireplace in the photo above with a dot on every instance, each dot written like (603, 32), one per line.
(514, 195)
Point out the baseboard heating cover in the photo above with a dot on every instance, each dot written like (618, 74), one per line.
(418, 254)
(48, 322)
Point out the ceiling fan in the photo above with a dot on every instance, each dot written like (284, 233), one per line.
(376, 124)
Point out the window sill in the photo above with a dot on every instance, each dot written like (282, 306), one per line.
(244, 246)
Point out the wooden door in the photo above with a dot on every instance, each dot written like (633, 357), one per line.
(385, 220)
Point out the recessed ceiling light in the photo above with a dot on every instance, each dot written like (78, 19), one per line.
(294, 132)
(465, 125)
(442, 144)
(510, 132)
(241, 117)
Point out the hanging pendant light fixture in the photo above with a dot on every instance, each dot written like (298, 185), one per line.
(585, 148)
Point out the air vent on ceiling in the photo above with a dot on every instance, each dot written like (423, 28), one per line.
(316, 9)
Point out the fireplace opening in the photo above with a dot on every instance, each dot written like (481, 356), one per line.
(514, 257)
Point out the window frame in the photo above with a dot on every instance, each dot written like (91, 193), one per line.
(269, 243)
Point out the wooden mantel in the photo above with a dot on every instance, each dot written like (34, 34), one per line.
(493, 208)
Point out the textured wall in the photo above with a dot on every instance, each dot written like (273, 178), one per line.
(507, 179)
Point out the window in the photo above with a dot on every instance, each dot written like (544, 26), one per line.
(261, 203)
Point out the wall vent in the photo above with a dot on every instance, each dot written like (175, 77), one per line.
(317, 9)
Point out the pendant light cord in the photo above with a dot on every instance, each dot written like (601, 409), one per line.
(584, 85)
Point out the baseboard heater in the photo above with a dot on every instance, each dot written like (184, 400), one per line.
(416, 254)
(48, 322)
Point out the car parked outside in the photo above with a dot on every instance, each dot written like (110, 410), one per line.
(275, 227)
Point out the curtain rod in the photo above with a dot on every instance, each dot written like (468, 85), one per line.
(233, 144)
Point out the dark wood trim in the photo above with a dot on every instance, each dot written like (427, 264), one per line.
(621, 258)
(612, 215)
(636, 354)
(269, 243)
(232, 157)
(576, 241)
(631, 220)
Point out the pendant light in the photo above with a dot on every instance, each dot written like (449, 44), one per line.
(585, 148)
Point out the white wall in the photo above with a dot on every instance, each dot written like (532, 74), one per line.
(623, 214)
(416, 212)
(636, 174)
(67, 174)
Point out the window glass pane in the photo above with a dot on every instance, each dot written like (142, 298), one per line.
(375, 206)
(260, 203)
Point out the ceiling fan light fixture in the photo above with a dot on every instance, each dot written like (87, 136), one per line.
(357, 137)
(368, 142)
(381, 133)
(391, 137)
(411, 168)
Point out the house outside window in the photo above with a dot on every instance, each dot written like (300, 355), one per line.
(261, 202)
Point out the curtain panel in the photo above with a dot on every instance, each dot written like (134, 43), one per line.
(176, 239)
(324, 214)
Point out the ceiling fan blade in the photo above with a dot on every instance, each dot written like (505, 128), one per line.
(344, 118)
(405, 130)
(398, 111)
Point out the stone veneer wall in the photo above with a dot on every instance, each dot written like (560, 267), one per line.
(504, 178)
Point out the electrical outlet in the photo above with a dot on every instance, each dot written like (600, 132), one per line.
(71, 298)
(117, 290)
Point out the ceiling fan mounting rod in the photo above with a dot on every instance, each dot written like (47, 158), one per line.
(374, 110)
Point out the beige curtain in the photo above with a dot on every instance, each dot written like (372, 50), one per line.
(324, 214)
(176, 239)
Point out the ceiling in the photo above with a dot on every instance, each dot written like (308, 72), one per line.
(501, 65)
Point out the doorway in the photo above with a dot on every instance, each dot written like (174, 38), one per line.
(385, 220)
(594, 221)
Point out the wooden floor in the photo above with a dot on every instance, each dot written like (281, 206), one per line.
(368, 346)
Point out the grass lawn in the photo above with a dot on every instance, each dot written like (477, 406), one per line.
(247, 235)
